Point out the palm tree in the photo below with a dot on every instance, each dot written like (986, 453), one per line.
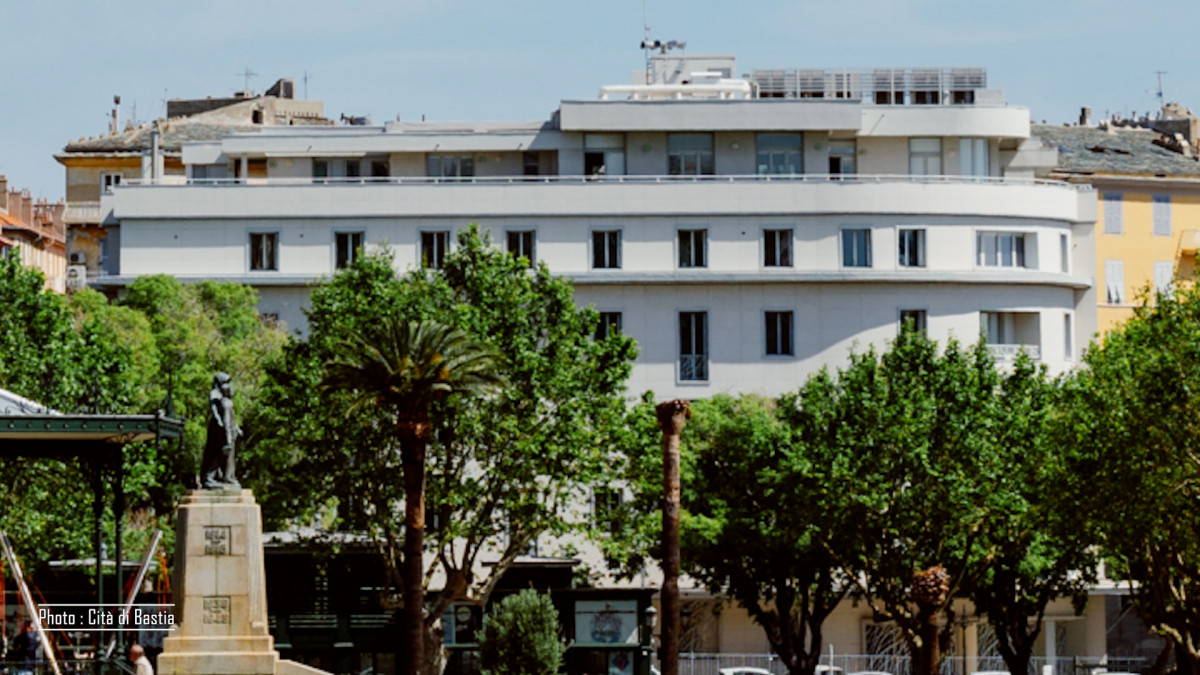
(405, 367)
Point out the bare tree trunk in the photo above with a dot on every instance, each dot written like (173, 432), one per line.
(672, 415)
(414, 437)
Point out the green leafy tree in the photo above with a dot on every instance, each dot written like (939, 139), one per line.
(501, 471)
(406, 368)
(915, 436)
(520, 636)
(1135, 416)
(761, 521)
(1043, 545)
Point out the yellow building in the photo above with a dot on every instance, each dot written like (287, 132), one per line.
(1149, 226)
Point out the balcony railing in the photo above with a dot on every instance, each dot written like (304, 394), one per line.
(1009, 352)
(82, 212)
(610, 179)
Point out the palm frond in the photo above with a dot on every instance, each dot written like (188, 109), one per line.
(408, 365)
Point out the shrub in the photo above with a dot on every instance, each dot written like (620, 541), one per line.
(520, 636)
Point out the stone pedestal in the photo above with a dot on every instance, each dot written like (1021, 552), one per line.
(220, 590)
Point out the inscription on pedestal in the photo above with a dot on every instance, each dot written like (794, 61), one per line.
(216, 540)
(216, 609)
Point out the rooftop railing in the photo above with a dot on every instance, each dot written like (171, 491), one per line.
(882, 86)
(610, 179)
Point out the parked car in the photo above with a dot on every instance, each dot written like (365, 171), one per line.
(745, 670)
(871, 672)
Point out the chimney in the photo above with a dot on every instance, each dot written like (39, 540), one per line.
(1085, 116)
(4, 193)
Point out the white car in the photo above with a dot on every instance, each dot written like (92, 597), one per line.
(745, 670)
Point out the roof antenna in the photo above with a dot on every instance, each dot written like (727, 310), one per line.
(1161, 100)
(247, 73)
(305, 78)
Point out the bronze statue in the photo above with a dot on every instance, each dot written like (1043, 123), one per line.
(216, 468)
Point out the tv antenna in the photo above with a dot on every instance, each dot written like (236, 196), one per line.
(1161, 100)
(649, 45)
(247, 73)
(305, 78)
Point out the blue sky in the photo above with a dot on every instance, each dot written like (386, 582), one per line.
(515, 59)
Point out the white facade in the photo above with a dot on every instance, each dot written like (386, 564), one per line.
(745, 242)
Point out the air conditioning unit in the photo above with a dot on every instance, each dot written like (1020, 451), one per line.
(77, 258)
(76, 276)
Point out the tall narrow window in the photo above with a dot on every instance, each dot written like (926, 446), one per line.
(973, 157)
(606, 504)
(1162, 215)
(1068, 337)
(693, 345)
(911, 248)
(779, 327)
(1064, 247)
(1114, 281)
(434, 246)
(606, 249)
(520, 245)
(1114, 220)
(348, 247)
(1164, 278)
(856, 248)
(690, 154)
(915, 319)
(925, 156)
(780, 154)
(692, 245)
(777, 248)
(610, 322)
(264, 251)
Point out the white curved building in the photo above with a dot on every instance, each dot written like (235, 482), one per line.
(744, 240)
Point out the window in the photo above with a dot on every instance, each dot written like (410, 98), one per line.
(691, 248)
(460, 622)
(1068, 337)
(109, 180)
(433, 248)
(973, 157)
(603, 154)
(1164, 278)
(610, 322)
(780, 153)
(1000, 249)
(841, 157)
(856, 248)
(531, 163)
(209, 171)
(450, 166)
(914, 318)
(1162, 215)
(606, 249)
(912, 248)
(1114, 281)
(777, 248)
(1064, 246)
(606, 506)
(779, 331)
(925, 156)
(264, 251)
(690, 154)
(1114, 223)
(347, 248)
(520, 245)
(693, 345)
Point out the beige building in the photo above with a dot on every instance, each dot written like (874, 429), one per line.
(153, 151)
(35, 230)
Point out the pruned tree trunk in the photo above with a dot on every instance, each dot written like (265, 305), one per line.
(930, 589)
(672, 415)
(414, 439)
